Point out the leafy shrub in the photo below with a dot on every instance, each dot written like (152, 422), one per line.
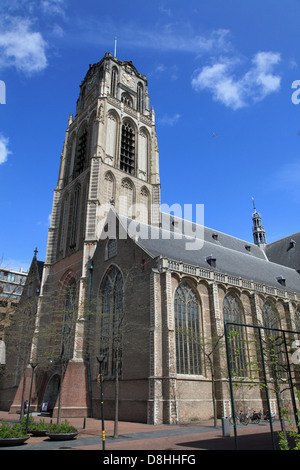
(32, 425)
(291, 439)
(63, 427)
(23, 421)
(8, 431)
(40, 426)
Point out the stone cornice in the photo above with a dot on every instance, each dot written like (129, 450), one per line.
(233, 281)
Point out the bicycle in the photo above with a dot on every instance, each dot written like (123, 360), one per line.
(237, 419)
(255, 417)
(267, 416)
(245, 418)
(242, 418)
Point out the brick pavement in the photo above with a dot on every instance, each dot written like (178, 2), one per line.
(143, 437)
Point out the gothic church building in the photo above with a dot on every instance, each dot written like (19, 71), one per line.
(119, 276)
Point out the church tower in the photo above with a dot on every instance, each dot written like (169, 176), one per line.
(259, 234)
(109, 158)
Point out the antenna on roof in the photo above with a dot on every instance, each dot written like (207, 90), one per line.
(115, 53)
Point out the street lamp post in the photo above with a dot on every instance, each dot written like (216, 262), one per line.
(33, 366)
(100, 359)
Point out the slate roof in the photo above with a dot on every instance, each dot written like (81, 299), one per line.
(231, 256)
(285, 251)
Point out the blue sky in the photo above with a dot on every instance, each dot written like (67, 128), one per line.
(223, 67)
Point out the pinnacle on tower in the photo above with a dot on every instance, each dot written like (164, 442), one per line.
(259, 235)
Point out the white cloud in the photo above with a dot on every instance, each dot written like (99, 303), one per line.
(4, 152)
(53, 7)
(169, 120)
(173, 36)
(254, 85)
(20, 47)
(34, 7)
(167, 11)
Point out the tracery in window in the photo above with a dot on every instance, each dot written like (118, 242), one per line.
(108, 190)
(127, 156)
(114, 81)
(127, 100)
(233, 312)
(81, 153)
(126, 198)
(144, 206)
(143, 154)
(273, 340)
(112, 313)
(140, 97)
(188, 331)
(111, 138)
(63, 225)
(270, 316)
(74, 218)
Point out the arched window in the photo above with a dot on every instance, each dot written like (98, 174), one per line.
(270, 316)
(126, 198)
(114, 81)
(81, 153)
(188, 331)
(71, 152)
(63, 225)
(70, 304)
(140, 98)
(74, 219)
(111, 138)
(108, 189)
(112, 321)
(126, 99)
(143, 147)
(127, 155)
(144, 206)
(233, 312)
(273, 339)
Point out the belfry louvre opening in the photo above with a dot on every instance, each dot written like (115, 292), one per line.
(127, 149)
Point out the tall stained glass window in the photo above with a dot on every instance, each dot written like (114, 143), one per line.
(188, 331)
(233, 312)
(112, 321)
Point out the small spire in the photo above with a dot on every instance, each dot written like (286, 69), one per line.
(35, 252)
(259, 234)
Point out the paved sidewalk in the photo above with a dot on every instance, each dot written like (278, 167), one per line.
(143, 437)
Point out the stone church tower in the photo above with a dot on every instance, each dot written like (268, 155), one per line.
(109, 159)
